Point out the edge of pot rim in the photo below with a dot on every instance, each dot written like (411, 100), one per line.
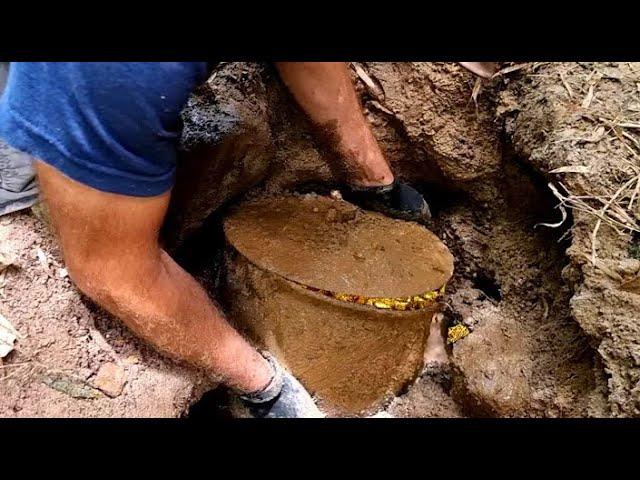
(319, 295)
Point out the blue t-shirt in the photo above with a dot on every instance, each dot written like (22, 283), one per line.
(112, 126)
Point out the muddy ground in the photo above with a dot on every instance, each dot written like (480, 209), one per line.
(554, 330)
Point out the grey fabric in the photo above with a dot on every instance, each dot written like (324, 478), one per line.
(4, 71)
(292, 400)
(18, 188)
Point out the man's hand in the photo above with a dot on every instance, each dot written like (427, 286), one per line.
(110, 246)
(283, 397)
(397, 200)
(326, 93)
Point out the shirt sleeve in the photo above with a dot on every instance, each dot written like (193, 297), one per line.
(112, 126)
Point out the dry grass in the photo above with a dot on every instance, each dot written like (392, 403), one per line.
(615, 208)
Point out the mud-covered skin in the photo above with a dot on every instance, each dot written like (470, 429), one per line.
(435, 133)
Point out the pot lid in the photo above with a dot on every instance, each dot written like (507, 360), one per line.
(331, 245)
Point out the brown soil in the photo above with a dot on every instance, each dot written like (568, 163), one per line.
(71, 359)
(511, 287)
(584, 114)
(427, 398)
(551, 333)
(525, 356)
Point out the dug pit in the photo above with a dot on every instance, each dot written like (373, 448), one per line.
(524, 304)
(549, 330)
(341, 296)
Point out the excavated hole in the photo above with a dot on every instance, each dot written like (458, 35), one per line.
(634, 247)
(211, 406)
(487, 285)
(509, 289)
(523, 285)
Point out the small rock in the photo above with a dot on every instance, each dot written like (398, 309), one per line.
(110, 379)
(629, 266)
(382, 414)
(63, 273)
(42, 258)
(131, 360)
(6, 260)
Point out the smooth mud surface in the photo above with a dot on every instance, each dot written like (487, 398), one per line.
(331, 245)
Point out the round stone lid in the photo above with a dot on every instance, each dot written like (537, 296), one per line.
(331, 245)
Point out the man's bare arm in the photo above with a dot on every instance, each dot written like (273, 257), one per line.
(326, 93)
(110, 246)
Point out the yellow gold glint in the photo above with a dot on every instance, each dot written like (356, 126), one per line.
(414, 302)
(457, 332)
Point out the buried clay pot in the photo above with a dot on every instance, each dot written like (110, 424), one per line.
(342, 297)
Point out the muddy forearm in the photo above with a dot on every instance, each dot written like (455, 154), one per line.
(165, 306)
(110, 246)
(326, 93)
